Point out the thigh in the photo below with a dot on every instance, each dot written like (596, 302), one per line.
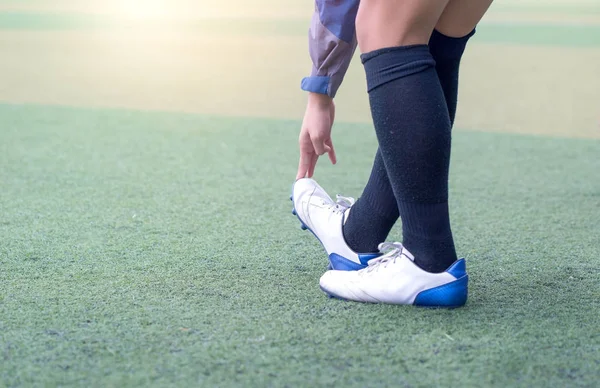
(390, 23)
(461, 16)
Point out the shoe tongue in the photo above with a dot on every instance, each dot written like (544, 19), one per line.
(346, 214)
(409, 255)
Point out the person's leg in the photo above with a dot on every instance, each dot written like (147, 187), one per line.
(413, 131)
(411, 121)
(374, 214)
(448, 41)
(461, 16)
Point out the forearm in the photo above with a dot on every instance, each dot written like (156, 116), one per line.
(332, 42)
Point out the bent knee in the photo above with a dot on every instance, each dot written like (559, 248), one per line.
(373, 36)
(388, 23)
(454, 30)
(460, 17)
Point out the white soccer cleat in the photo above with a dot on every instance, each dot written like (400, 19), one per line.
(318, 213)
(395, 279)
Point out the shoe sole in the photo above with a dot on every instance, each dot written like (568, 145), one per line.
(331, 295)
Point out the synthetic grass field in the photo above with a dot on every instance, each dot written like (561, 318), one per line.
(146, 236)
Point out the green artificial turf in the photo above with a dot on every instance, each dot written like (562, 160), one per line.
(155, 249)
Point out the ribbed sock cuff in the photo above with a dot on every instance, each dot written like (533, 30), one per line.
(390, 63)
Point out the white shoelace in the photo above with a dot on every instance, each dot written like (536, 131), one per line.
(391, 251)
(342, 203)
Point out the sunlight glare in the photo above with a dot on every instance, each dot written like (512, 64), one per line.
(144, 9)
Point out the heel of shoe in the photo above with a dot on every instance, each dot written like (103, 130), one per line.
(340, 263)
(450, 295)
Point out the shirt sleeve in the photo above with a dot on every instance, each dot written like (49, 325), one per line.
(332, 42)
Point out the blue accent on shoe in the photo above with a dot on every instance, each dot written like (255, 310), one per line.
(294, 211)
(303, 227)
(458, 269)
(340, 263)
(453, 294)
(365, 257)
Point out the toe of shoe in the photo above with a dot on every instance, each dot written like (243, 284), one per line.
(325, 283)
(333, 282)
(325, 278)
(302, 186)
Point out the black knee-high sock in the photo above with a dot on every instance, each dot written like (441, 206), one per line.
(413, 130)
(447, 53)
(374, 214)
(376, 211)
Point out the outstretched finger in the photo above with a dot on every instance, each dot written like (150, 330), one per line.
(312, 165)
(303, 165)
(331, 151)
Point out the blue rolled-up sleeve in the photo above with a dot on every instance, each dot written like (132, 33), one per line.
(332, 43)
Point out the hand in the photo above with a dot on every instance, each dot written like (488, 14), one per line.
(315, 134)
